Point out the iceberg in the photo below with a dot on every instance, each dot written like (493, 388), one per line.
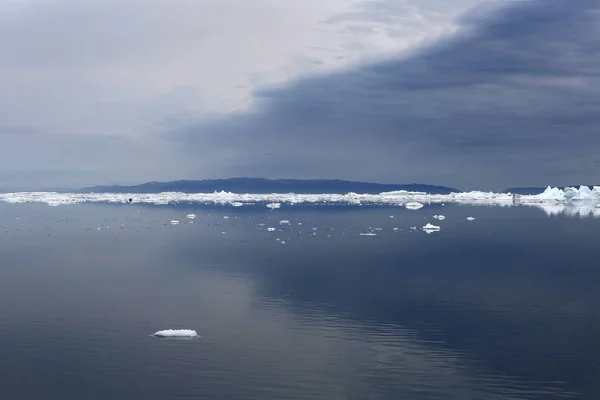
(431, 228)
(176, 333)
(470, 218)
(413, 205)
(273, 206)
(175, 222)
(284, 222)
(439, 217)
(191, 216)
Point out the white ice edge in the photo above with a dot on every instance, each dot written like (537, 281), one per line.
(582, 200)
(177, 333)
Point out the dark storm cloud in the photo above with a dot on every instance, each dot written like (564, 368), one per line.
(511, 97)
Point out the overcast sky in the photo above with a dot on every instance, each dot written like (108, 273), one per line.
(465, 93)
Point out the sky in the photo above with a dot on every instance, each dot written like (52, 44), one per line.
(472, 94)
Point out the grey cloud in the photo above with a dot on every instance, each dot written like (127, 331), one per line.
(500, 104)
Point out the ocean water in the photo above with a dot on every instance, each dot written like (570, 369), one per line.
(503, 307)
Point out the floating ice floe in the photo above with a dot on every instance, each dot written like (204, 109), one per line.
(177, 333)
(439, 217)
(413, 205)
(271, 229)
(175, 222)
(429, 228)
(236, 204)
(191, 216)
(470, 218)
(284, 222)
(367, 234)
(273, 206)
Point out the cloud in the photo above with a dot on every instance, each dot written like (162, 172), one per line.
(511, 99)
(130, 68)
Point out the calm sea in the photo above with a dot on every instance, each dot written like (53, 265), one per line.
(503, 307)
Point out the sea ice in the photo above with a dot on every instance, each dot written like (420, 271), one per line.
(284, 222)
(175, 222)
(431, 228)
(177, 333)
(271, 229)
(367, 234)
(470, 218)
(273, 206)
(439, 217)
(236, 204)
(191, 216)
(413, 205)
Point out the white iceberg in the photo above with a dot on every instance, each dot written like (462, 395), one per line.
(367, 234)
(284, 222)
(470, 218)
(177, 333)
(175, 222)
(236, 204)
(273, 206)
(431, 228)
(271, 229)
(439, 217)
(191, 216)
(413, 205)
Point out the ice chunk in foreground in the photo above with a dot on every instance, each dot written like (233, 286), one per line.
(413, 205)
(470, 219)
(191, 216)
(177, 333)
(431, 228)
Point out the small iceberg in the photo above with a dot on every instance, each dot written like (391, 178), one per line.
(413, 205)
(175, 222)
(236, 204)
(271, 229)
(191, 216)
(470, 219)
(439, 217)
(429, 228)
(176, 333)
(284, 222)
(367, 234)
(273, 206)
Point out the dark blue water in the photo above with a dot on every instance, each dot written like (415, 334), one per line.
(503, 307)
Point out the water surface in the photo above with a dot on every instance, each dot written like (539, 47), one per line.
(502, 307)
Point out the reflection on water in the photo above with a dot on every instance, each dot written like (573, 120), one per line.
(502, 307)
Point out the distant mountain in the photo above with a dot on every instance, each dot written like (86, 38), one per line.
(534, 190)
(259, 185)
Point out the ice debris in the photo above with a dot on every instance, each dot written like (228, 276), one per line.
(175, 222)
(191, 216)
(284, 222)
(429, 228)
(470, 218)
(439, 217)
(176, 333)
(413, 205)
(271, 229)
(273, 206)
